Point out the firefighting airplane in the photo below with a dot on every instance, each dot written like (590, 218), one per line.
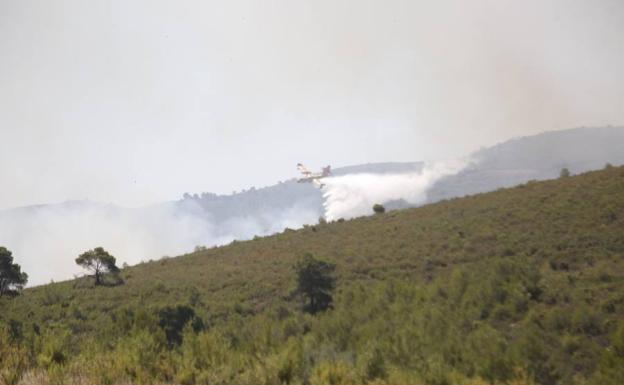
(309, 177)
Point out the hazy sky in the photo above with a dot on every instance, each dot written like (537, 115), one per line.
(135, 102)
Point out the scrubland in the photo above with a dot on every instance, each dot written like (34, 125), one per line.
(517, 286)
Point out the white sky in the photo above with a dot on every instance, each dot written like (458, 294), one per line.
(134, 102)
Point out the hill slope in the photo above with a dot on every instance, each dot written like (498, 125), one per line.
(171, 228)
(523, 284)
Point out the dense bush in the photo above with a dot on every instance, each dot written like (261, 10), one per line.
(378, 209)
(173, 320)
(315, 282)
(12, 278)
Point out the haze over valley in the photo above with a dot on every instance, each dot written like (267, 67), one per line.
(48, 237)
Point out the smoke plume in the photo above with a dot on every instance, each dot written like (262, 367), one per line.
(354, 195)
(45, 240)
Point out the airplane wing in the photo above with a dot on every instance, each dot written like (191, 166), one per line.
(303, 170)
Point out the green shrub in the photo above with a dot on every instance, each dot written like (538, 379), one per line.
(315, 282)
(173, 320)
(378, 209)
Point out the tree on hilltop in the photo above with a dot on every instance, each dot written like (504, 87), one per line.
(12, 279)
(564, 173)
(98, 261)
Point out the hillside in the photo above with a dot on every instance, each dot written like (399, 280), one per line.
(172, 228)
(523, 284)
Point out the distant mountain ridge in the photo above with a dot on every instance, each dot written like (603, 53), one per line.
(516, 161)
(512, 162)
(536, 157)
(54, 232)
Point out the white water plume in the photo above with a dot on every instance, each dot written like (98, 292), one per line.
(354, 195)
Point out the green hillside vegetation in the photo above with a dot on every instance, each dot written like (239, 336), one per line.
(517, 286)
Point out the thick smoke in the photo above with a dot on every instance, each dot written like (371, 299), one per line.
(354, 195)
(45, 240)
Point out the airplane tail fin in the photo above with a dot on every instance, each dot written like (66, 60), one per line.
(327, 171)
